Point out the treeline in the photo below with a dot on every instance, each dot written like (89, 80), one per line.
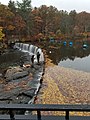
(21, 20)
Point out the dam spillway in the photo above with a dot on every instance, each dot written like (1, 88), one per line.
(31, 50)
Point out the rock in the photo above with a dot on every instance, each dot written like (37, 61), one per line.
(30, 93)
(5, 96)
(27, 66)
(15, 73)
(1, 75)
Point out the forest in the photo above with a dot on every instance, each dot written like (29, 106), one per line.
(20, 21)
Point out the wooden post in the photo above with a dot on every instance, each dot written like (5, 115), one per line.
(38, 115)
(11, 115)
(67, 115)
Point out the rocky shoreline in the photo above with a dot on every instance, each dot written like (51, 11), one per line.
(20, 84)
(21, 87)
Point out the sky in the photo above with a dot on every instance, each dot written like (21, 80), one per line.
(68, 5)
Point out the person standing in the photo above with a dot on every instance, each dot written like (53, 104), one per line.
(38, 57)
(32, 60)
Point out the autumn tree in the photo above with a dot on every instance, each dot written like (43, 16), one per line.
(24, 9)
(52, 19)
(48, 17)
(83, 21)
(21, 19)
(6, 19)
(72, 16)
(43, 15)
(64, 22)
(18, 22)
(1, 34)
(37, 21)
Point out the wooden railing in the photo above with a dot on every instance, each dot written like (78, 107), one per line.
(43, 107)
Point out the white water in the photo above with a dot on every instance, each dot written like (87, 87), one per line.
(31, 49)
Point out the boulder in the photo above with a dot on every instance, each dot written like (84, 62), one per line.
(1, 75)
(15, 73)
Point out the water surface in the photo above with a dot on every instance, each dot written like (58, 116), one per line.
(74, 56)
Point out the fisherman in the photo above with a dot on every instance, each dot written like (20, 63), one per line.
(32, 60)
(38, 57)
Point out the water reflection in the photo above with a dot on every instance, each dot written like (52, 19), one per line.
(74, 56)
